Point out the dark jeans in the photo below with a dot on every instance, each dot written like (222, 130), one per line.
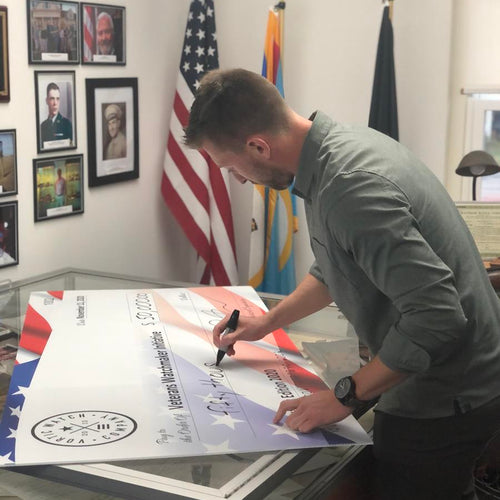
(431, 459)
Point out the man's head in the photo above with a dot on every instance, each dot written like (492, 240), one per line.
(105, 33)
(113, 116)
(53, 98)
(59, 172)
(238, 117)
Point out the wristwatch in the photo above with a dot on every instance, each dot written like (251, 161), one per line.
(345, 392)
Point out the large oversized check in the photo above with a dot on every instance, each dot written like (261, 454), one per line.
(127, 374)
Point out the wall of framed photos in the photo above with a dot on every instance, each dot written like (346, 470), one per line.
(112, 225)
(125, 227)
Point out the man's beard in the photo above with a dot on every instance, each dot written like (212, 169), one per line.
(106, 48)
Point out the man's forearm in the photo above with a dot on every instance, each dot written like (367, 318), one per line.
(375, 378)
(310, 296)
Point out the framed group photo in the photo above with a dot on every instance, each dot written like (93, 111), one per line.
(9, 248)
(103, 28)
(113, 142)
(58, 186)
(55, 110)
(53, 32)
(8, 163)
(4, 57)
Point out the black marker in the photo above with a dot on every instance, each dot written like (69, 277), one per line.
(231, 326)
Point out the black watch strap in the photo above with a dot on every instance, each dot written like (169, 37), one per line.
(345, 392)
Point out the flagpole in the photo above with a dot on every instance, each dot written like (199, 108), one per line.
(280, 7)
(391, 6)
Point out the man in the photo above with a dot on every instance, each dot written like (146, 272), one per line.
(105, 34)
(392, 251)
(117, 145)
(56, 127)
(60, 189)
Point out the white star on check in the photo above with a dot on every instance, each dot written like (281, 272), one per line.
(196, 84)
(13, 433)
(226, 420)
(201, 17)
(222, 448)
(209, 398)
(200, 34)
(5, 458)
(15, 412)
(189, 32)
(199, 68)
(283, 429)
(190, 16)
(211, 51)
(210, 11)
(185, 67)
(22, 390)
(187, 49)
(200, 51)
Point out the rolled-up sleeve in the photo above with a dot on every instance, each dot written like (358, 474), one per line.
(383, 238)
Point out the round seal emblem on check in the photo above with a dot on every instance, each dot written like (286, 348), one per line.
(84, 428)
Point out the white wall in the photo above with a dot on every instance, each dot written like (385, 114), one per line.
(330, 48)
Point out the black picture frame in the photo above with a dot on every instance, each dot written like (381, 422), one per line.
(59, 134)
(53, 32)
(58, 187)
(4, 56)
(113, 140)
(103, 39)
(8, 162)
(9, 243)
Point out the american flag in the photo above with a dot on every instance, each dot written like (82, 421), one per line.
(88, 33)
(194, 188)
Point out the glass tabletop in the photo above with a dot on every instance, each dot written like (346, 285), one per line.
(326, 339)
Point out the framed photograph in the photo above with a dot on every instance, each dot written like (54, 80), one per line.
(53, 32)
(103, 28)
(9, 248)
(113, 141)
(55, 110)
(4, 57)
(8, 163)
(58, 186)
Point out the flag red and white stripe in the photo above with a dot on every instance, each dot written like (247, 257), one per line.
(194, 188)
(88, 33)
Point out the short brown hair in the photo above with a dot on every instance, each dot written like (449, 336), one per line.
(231, 105)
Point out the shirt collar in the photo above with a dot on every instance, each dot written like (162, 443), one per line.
(309, 154)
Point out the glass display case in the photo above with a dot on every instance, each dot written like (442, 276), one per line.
(326, 339)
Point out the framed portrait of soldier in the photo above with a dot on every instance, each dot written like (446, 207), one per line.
(103, 34)
(58, 186)
(55, 110)
(53, 32)
(8, 163)
(113, 141)
(4, 57)
(9, 245)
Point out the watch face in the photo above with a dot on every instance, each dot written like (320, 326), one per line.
(342, 388)
(84, 428)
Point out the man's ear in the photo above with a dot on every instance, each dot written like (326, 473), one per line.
(258, 147)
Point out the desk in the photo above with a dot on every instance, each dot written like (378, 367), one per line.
(270, 476)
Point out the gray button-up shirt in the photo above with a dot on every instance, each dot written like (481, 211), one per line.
(402, 266)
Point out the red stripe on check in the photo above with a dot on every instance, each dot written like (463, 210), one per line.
(36, 332)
